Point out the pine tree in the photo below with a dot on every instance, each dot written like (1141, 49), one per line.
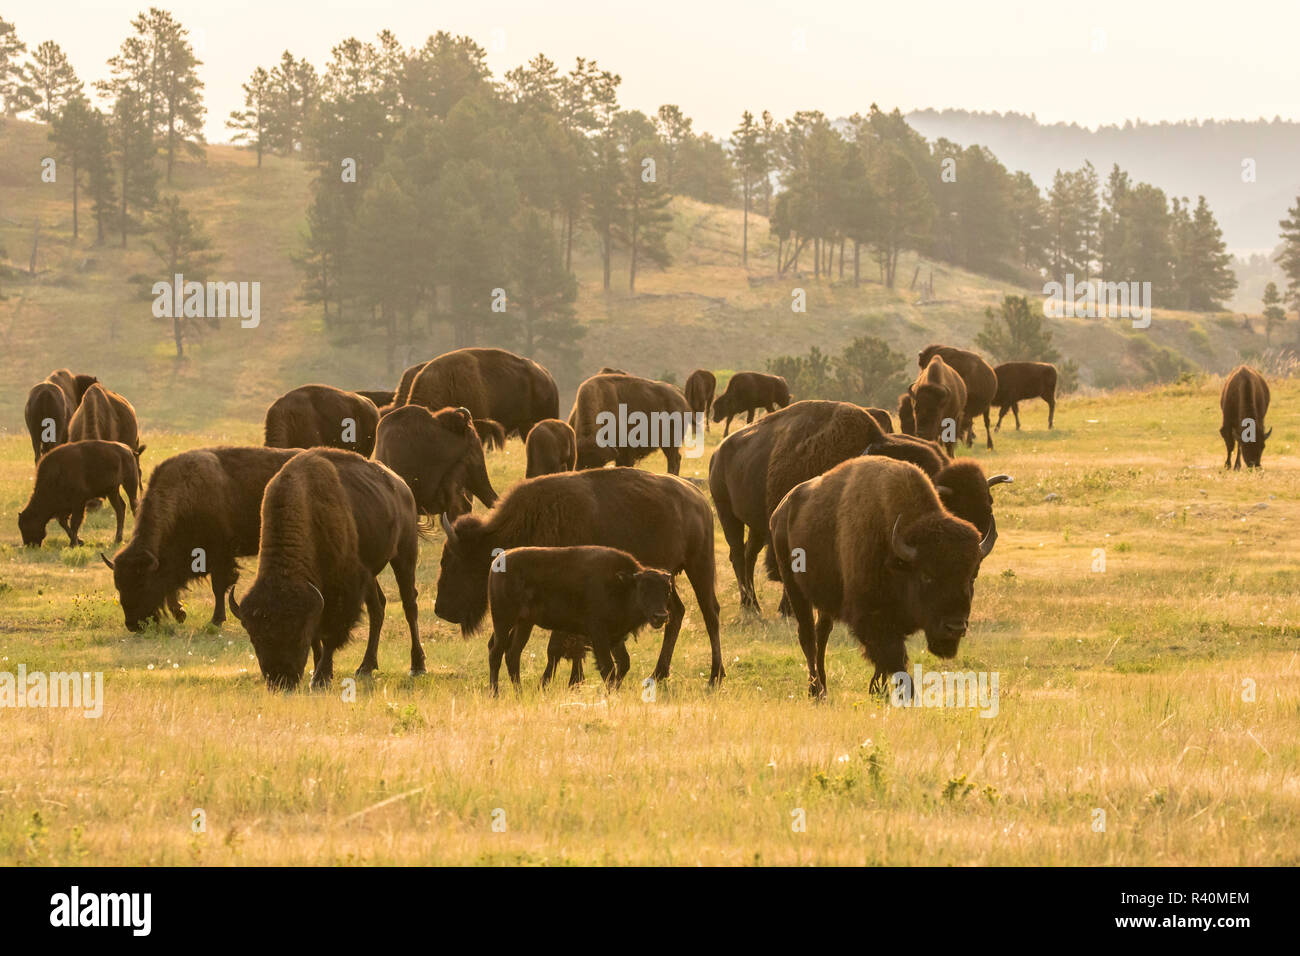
(16, 94)
(543, 292)
(1015, 333)
(176, 101)
(1274, 314)
(52, 78)
(76, 142)
(133, 150)
(1289, 255)
(251, 123)
(747, 143)
(179, 242)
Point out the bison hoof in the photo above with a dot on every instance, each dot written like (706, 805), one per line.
(416, 671)
(366, 670)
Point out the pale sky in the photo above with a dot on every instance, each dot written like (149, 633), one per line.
(1100, 61)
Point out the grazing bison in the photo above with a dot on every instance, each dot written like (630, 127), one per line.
(438, 455)
(203, 509)
(700, 386)
(747, 392)
(493, 384)
(1022, 381)
(551, 448)
(869, 543)
(753, 469)
(980, 380)
(593, 595)
(46, 415)
(331, 520)
(939, 397)
(107, 416)
(71, 475)
(382, 400)
(322, 416)
(662, 521)
(1244, 401)
(623, 418)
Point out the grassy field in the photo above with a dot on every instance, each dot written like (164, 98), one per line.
(1125, 691)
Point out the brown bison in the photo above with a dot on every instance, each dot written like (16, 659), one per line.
(331, 520)
(73, 386)
(1244, 401)
(595, 595)
(753, 469)
(700, 386)
(1021, 381)
(870, 544)
(980, 380)
(493, 384)
(438, 455)
(70, 476)
(551, 447)
(203, 509)
(747, 392)
(623, 418)
(322, 416)
(662, 521)
(107, 416)
(939, 402)
(381, 399)
(46, 415)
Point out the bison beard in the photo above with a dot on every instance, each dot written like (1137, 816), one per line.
(894, 563)
(662, 521)
(331, 521)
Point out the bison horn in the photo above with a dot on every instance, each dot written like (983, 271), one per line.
(942, 490)
(446, 527)
(999, 479)
(991, 538)
(871, 449)
(1268, 434)
(320, 597)
(105, 559)
(901, 548)
(234, 605)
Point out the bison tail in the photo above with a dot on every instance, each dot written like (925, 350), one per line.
(769, 563)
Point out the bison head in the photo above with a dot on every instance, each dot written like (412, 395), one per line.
(1253, 451)
(31, 526)
(724, 406)
(281, 617)
(438, 455)
(933, 566)
(591, 454)
(923, 357)
(140, 587)
(928, 403)
(906, 414)
(965, 492)
(652, 590)
(463, 575)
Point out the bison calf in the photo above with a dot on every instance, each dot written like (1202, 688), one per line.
(69, 476)
(747, 392)
(602, 594)
(551, 448)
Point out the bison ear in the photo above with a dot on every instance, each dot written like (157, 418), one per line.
(139, 452)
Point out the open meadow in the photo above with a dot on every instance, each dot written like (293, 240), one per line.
(1156, 680)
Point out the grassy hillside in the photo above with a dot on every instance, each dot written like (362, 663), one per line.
(1120, 690)
(79, 310)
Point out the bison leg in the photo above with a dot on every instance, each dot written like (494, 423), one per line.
(1051, 408)
(674, 457)
(1002, 413)
(496, 650)
(404, 571)
(808, 634)
(749, 417)
(622, 663)
(733, 529)
(824, 624)
(1226, 434)
(701, 578)
(324, 672)
(988, 433)
(522, 631)
(676, 611)
(375, 603)
(119, 509)
(1015, 410)
(727, 427)
(890, 657)
(554, 654)
(752, 548)
(223, 578)
(576, 676)
(604, 662)
(74, 525)
(174, 605)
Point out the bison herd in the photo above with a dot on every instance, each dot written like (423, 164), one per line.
(879, 528)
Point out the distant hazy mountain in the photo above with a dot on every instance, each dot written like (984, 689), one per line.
(1184, 159)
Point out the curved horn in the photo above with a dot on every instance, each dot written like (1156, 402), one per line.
(999, 479)
(104, 558)
(320, 597)
(901, 548)
(942, 490)
(1268, 434)
(874, 447)
(446, 527)
(991, 538)
(234, 605)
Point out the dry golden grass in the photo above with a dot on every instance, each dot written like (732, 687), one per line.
(1120, 691)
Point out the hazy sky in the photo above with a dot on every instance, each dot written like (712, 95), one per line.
(1102, 61)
